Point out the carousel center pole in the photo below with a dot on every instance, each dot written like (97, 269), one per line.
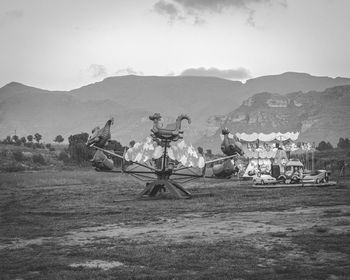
(163, 183)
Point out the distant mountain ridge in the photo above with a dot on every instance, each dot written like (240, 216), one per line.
(131, 99)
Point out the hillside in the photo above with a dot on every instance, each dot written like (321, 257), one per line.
(317, 115)
(131, 99)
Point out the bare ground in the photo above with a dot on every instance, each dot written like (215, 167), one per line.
(86, 225)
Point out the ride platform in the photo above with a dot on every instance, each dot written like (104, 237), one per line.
(327, 184)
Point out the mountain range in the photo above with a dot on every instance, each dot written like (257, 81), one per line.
(211, 103)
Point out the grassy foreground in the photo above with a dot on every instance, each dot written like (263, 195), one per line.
(89, 225)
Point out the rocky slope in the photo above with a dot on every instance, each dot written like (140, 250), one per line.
(316, 115)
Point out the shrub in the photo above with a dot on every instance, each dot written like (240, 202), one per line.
(29, 144)
(13, 167)
(323, 146)
(78, 150)
(38, 146)
(63, 156)
(38, 158)
(3, 153)
(18, 155)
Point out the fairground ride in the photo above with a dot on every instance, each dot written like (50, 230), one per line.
(164, 161)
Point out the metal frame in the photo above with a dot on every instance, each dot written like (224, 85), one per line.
(161, 179)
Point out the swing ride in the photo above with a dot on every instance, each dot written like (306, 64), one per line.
(164, 161)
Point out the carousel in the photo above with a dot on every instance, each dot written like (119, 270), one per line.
(274, 160)
(163, 161)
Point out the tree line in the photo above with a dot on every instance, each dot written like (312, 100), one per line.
(342, 144)
(29, 140)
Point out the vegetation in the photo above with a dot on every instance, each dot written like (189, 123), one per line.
(132, 143)
(38, 158)
(59, 139)
(63, 156)
(30, 138)
(325, 157)
(322, 146)
(37, 137)
(343, 143)
(18, 155)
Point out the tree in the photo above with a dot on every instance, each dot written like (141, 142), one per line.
(132, 143)
(114, 145)
(77, 149)
(30, 138)
(209, 153)
(37, 137)
(23, 140)
(8, 140)
(16, 140)
(59, 139)
(343, 143)
(323, 146)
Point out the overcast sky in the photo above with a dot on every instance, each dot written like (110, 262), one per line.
(65, 44)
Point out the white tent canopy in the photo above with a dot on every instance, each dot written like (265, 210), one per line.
(268, 137)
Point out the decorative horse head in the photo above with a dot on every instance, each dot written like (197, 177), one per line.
(231, 145)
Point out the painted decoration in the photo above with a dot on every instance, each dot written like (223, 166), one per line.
(179, 151)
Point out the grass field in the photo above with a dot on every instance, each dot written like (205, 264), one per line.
(87, 225)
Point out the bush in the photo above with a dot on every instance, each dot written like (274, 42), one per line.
(38, 158)
(3, 153)
(78, 150)
(14, 167)
(323, 146)
(38, 146)
(18, 155)
(63, 156)
(28, 145)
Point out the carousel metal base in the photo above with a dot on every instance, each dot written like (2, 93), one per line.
(328, 184)
(164, 186)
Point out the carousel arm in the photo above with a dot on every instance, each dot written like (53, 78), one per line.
(121, 157)
(219, 159)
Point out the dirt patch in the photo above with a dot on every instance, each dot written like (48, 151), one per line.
(104, 265)
(216, 227)
(200, 227)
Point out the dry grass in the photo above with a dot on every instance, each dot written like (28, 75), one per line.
(87, 225)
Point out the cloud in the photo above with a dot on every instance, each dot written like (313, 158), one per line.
(10, 16)
(217, 5)
(168, 9)
(194, 9)
(128, 71)
(97, 70)
(232, 74)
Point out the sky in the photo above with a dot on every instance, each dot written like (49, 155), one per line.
(65, 44)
